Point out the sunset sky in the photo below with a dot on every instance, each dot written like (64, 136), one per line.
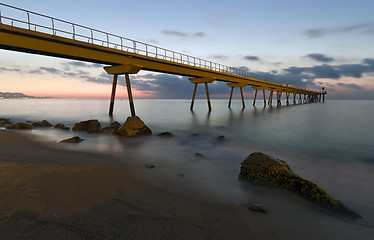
(304, 43)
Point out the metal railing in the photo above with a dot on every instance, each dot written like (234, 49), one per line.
(78, 32)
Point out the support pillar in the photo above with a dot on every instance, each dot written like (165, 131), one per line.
(207, 97)
(254, 100)
(294, 98)
(196, 81)
(287, 95)
(129, 93)
(263, 92)
(114, 86)
(232, 90)
(241, 93)
(123, 69)
(270, 102)
(193, 97)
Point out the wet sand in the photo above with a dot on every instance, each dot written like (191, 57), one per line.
(49, 192)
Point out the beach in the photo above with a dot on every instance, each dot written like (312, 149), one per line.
(49, 193)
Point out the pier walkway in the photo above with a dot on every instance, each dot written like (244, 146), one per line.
(25, 31)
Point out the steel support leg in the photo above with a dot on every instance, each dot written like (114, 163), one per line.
(129, 93)
(232, 90)
(193, 97)
(263, 91)
(114, 86)
(254, 100)
(207, 96)
(241, 93)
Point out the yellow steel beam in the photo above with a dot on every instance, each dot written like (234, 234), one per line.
(123, 69)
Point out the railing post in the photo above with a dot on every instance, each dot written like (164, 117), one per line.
(28, 19)
(53, 27)
(73, 31)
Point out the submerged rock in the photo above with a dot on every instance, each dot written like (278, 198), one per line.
(220, 139)
(19, 126)
(61, 126)
(200, 156)
(165, 134)
(257, 208)
(4, 121)
(75, 139)
(134, 126)
(113, 128)
(91, 126)
(263, 169)
(149, 166)
(43, 123)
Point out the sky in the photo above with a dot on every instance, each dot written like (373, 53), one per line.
(309, 44)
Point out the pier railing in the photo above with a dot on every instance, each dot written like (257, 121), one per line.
(22, 18)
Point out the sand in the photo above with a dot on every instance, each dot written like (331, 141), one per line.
(47, 192)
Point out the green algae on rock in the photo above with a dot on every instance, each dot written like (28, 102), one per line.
(19, 125)
(260, 168)
(134, 126)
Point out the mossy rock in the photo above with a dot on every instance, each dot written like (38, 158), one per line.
(61, 126)
(43, 123)
(4, 121)
(134, 126)
(19, 126)
(260, 168)
(91, 126)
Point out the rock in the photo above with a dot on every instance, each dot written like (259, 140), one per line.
(263, 169)
(75, 139)
(150, 166)
(194, 135)
(19, 126)
(257, 208)
(200, 156)
(61, 126)
(4, 121)
(180, 175)
(43, 123)
(134, 126)
(220, 139)
(91, 126)
(113, 128)
(166, 134)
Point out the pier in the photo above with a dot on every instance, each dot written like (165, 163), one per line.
(24, 32)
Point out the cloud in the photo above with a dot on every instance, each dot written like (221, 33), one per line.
(220, 57)
(172, 86)
(182, 34)
(319, 57)
(321, 32)
(349, 85)
(252, 58)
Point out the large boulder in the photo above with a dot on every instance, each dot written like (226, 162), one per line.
(91, 126)
(19, 126)
(134, 126)
(43, 123)
(4, 121)
(260, 168)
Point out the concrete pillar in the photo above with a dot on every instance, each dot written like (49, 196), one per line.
(232, 90)
(241, 93)
(207, 97)
(263, 92)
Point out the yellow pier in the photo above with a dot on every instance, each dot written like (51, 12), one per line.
(126, 56)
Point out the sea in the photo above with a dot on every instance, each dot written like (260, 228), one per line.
(330, 144)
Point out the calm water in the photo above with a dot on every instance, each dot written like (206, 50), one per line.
(329, 143)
